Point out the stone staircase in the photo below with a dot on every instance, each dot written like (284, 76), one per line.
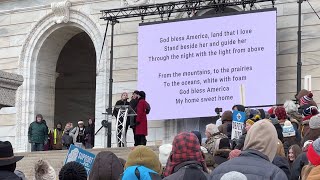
(56, 158)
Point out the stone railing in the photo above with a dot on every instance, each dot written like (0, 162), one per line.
(9, 84)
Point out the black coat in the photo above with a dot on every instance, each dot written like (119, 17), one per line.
(119, 103)
(7, 175)
(283, 164)
(279, 131)
(297, 165)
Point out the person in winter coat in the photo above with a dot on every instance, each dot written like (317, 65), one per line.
(213, 137)
(73, 171)
(67, 139)
(226, 119)
(309, 172)
(142, 163)
(294, 152)
(106, 166)
(308, 113)
(121, 102)
(300, 162)
(57, 137)
(79, 135)
(289, 136)
(222, 154)
(8, 162)
(44, 171)
(281, 161)
(314, 131)
(240, 141)
(38, 134)
(257, 155)
(141, 128)
(186, 161)
(90, 134)
(273, 119)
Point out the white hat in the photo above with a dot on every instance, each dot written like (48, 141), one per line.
(164, 153)
(80, 122)
(288, 130)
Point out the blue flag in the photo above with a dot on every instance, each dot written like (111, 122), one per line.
(81, 156)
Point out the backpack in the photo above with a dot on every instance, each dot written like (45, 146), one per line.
(148, 108)
(139, 173)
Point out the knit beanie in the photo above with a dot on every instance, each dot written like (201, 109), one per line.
(288, 130)
(250, 121)
(44, 171)
(273, 119)
(313, 153)
(310, 110)
(73, 170)
(164, 153)
(144, 156)
(314, 122)
(234, 175)
(234, 153)
(227, 116)
(306, 99)
(281, 113)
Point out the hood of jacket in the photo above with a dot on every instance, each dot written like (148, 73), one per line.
(106, 166)
(262, 137)
(314, 173)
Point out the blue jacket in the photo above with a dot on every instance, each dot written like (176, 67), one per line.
(253, 164)
(139, 173)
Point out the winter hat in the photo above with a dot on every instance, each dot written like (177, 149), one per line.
(250, 121)
(262, 113)
(252, 113)
(224, 143)
(106, 166)
(281, 113)
(73, 170)
(44, 171)
(239, 107)
(310, 110)
(234, 153)
(142, 94)
(227, 116)
(262, 137)
(234, 175)
(273, 119)
(198, 134)
(144, 156)
(288, 130)
(314, 122)
(164, 153)
(306, 99)
(271, 110)
(80, 122)
(313, 153)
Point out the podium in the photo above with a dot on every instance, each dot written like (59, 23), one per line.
(124, 112)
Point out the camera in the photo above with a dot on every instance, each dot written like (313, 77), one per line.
(218, 110)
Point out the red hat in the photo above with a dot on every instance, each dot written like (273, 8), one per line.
(306, 99)
(280, 112)
(313, 153)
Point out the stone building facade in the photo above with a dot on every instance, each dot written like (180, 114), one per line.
(56, 46)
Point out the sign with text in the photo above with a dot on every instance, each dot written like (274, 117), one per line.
(189, 67)
(238, 124)
(81, 156)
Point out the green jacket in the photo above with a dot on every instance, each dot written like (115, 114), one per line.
(38, 133)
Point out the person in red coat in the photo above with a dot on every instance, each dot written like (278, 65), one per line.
(141, 130)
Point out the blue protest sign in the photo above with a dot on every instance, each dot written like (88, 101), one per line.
(237, 124)
(81, 156)
(239, 116)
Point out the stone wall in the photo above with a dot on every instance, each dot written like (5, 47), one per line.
(18, 18)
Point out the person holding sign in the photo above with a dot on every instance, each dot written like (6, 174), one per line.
(240, 141)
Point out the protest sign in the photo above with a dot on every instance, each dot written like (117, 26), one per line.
(238, 124)
(81, 156)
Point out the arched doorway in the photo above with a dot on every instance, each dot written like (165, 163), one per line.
(38, 64)
(75, 88)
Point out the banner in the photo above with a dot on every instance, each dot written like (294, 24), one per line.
(81, 156)
(238, 124)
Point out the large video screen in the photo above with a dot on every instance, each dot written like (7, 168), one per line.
(190, 67)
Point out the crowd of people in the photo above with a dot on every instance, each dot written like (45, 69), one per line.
(281, 143)
(43, 139)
